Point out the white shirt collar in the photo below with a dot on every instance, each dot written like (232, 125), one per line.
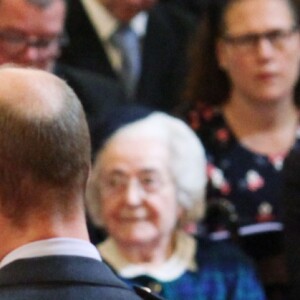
(105, 24)
(182, 260)
(54, 246)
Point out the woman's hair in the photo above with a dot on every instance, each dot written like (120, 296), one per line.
(187, 162)
(207, 83)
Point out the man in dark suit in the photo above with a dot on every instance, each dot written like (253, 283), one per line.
(32, 33)
(291, 205)
(45, 251)
(196, 7)
(163, 30)
(99, 95)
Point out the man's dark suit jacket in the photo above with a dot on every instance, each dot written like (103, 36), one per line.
(168, 33)
(98, 94)
(62, 278)
(196, 7)
(291, 205)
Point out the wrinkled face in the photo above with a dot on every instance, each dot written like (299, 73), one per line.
(138, 194)
(30, 36)
(125, 10)
(260, 50)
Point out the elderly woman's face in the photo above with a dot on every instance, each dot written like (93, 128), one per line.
(137, 192)
(260, 51)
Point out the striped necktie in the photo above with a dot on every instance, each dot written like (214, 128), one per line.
(127, 41)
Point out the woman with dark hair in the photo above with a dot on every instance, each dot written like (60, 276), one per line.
(243, 98)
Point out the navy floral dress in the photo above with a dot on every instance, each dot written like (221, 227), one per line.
(251, 182)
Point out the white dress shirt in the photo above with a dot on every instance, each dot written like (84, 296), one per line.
(106, 24)
(182, 259)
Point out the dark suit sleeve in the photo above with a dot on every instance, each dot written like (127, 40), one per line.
(291, 202)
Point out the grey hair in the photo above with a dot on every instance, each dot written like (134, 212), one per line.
(187, 157)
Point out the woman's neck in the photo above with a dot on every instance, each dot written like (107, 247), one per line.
(267, 128)
(153, 253)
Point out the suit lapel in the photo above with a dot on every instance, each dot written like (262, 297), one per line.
(78, 21)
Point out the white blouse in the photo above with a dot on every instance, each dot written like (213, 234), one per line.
(182, 259)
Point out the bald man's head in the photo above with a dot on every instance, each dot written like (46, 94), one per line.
(31, 93)
(44, 140)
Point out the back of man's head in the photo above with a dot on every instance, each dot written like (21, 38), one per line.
(45, 145)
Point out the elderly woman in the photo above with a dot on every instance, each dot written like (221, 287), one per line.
(245, 95)
(148, 181)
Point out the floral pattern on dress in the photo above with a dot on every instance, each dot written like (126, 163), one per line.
(254, 180)
(250, 181)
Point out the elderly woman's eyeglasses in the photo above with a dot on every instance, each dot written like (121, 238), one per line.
(119, 183)
(14, 43)
(247, 42)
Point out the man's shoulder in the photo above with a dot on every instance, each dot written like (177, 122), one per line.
(181, 21)
(68, 72)
(63, 275)
(97, 93)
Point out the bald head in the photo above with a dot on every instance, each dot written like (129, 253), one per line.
(31, 93)
(45, 142)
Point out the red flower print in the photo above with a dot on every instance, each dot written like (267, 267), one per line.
(222, 135)
(225, 189)
(217, 179)
(277, 160)
(254, 181)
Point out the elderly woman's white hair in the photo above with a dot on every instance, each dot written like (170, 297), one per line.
(187, 157)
